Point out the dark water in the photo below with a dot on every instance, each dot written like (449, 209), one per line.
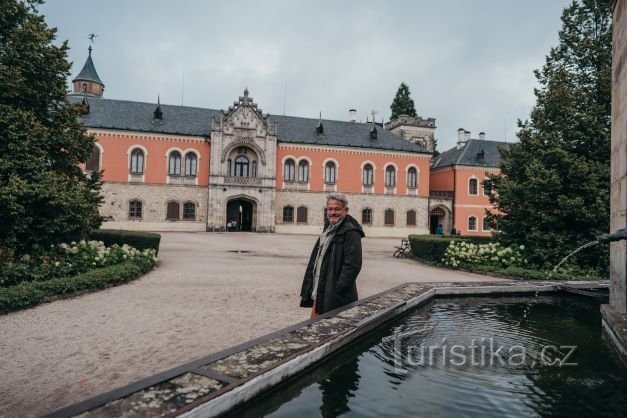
(488, 358)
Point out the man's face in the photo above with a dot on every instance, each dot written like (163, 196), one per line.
(335, 211)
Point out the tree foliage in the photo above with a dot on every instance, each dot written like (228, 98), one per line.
(46, 198)
(553, 191)
(402, 103)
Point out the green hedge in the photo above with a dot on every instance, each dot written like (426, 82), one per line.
(137, 239)
(28, 294)
(528, 274)
(432, 247)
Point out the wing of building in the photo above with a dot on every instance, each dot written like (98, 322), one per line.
(458, 199)
(192, 169)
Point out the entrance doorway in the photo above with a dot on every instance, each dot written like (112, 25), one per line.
(240, 211)
(436, 217)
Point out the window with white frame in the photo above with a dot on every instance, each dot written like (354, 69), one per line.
(93, 164)
(473, 188)
(412, 178)
(174, 164)
(368, 175)
(303, 171)
(472, 223)
(191, 164)
(137, 161)
(390, 176)
(288, 171)
(487, 225)
(329, 173)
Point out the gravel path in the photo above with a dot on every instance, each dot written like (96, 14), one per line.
(205, 296)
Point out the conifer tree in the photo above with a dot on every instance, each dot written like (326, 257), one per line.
(402, 103)
(554, 187)
(46, 198)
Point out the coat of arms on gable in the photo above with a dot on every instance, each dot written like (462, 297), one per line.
(245, 120)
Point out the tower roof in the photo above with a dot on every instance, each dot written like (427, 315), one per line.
(88, 73)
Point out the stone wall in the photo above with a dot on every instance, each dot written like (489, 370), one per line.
(316, 202)
(154, 198)
(618, 217)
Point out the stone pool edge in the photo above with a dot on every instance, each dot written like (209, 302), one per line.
(221, 382)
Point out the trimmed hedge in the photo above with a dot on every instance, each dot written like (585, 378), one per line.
(138, 239)
(431, 247)
(28, 294)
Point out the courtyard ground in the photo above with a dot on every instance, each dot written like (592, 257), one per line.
(210, 292)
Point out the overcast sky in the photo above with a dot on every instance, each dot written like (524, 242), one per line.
(468, 63)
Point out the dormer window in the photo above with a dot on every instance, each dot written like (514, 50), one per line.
(481, 155)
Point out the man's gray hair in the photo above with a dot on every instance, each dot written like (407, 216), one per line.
(340, 197)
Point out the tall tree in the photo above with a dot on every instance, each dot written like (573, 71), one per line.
(402, 103)
(46, 197)
(553, 191)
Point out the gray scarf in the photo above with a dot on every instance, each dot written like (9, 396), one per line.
(325, 240)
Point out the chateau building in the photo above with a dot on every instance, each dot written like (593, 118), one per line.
(192, 169)
(458, 174)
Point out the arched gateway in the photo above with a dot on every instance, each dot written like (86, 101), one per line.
(242, 211)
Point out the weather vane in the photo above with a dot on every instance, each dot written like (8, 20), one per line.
(91, 37)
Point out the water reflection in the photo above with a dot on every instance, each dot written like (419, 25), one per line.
(387, 376)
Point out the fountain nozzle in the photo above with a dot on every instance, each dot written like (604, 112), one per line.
(621, 234)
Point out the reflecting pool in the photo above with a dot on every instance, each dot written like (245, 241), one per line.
(488, 357)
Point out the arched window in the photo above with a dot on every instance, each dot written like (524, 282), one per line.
(301, 214)
(241, 166)
(472, 223)
(135, 209)
(389, 217)
(390, 176)
(137, 161)
(366, 216)
(288, 214)
(303, 171)
(254, 169)
(368, 175)
(412, 178)
(329, 173)
(189, 211)
(93, 164)
(411, 218)
(473, 187)
(288, 172)
(173, 210)
(487, 226)
(191, 163)
(174, 166)
(229, 167)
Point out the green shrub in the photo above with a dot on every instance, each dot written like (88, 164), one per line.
(463, 254)
(529, 274)
(138, 239)
(27, 294)
(431, 247)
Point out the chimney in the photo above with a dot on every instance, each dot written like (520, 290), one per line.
(352, 115)
(466, 136)
(461, 138)
(482, 135)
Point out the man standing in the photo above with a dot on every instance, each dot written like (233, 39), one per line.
(335, 261)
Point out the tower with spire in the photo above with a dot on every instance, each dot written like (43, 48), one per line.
(87, 82)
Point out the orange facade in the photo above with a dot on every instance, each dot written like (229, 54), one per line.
(116, 148)
(349, 167)
(470, 201)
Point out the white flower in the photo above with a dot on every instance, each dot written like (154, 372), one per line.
(522, 247)
(26, 258)
(57, 264)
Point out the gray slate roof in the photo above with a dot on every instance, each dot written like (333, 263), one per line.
(183, 120)
(88, 73)
(468, 154)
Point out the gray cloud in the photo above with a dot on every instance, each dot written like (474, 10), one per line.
(468, 63)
